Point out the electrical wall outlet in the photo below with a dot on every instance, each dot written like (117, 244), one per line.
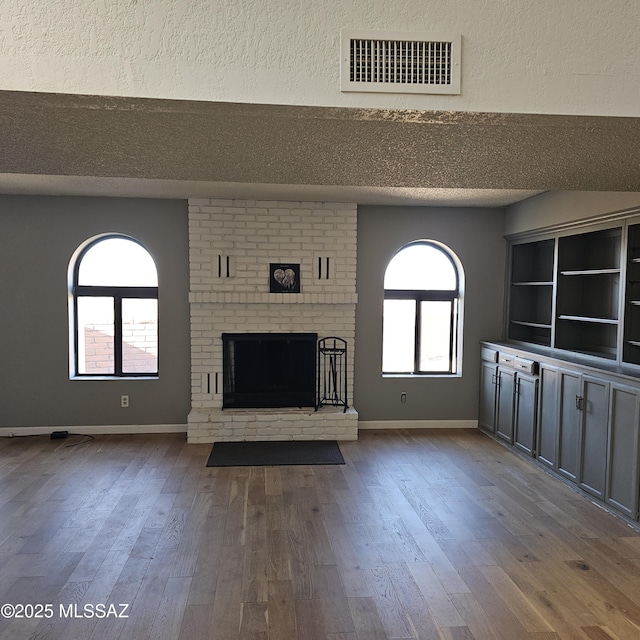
(124, 402)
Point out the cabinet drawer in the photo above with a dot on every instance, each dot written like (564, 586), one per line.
(525, 365)
(489, 355)
(506, 359)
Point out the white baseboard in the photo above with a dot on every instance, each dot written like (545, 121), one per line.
(93, 430)
(417, 424)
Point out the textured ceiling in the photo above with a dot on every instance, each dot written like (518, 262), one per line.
(11, 183)
(85, 145)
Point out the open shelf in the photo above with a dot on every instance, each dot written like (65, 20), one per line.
(590, 272)
(590, 296)
(530, 332)
(532, 284)
(531, 293)
(579, 291)
(588, 336)
(588, 319)
(588, 292)
(533, 261)
(589, 252)
(536, 325)
(566, 292)
(631, 348)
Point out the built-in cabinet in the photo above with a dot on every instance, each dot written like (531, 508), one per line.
(588, 294)
(508, 405)
(623, 451)
(584, 408)
(593, 407)
(546, 446)
(565, 386)
(525, 411)
(531, 291)
(488, 390)
(569, 426)
(631, 346)
(578, 291)
(580, 422)
(505, 387)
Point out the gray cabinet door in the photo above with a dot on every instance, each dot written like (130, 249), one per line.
(623, 452)
(525, 412)
(488, 386)
(504, 404)
(569, 425)
(547, 445)
(595, 416)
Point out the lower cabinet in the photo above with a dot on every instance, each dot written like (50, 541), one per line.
(622, 486)
(505, 389)
(594, 407)
(488, 382)
(583, 426)
(525, 411)
(569, 426)
(547, 441)
(508, 402)
(583, 431)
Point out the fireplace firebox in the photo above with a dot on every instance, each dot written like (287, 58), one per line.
(262, 370)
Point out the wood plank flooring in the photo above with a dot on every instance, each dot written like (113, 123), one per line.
(442, 535)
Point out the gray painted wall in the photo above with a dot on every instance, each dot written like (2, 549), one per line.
(476, 236)
(558, 207)
(38, 236)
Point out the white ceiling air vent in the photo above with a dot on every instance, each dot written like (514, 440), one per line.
(396, 62)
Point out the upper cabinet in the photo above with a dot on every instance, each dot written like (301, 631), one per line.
(578, 290)
(531, 292)
(588, 294)
(631, 348)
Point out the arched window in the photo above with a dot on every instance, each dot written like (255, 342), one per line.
(422, 317)
(114, 296)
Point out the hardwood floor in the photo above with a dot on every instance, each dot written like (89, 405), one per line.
(441, 535)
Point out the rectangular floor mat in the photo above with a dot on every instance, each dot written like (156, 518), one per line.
(273, 453)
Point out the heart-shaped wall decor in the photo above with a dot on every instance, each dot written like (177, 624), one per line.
(285, 277)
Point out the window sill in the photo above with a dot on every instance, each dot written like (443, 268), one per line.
(102, 378)
(421, 375)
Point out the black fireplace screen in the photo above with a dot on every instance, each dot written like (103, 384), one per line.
(269, 370)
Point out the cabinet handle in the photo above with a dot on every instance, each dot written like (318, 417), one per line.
(579, 403)
(494, 379)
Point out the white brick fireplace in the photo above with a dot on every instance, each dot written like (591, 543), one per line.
(231, 246)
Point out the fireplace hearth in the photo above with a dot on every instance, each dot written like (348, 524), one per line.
(269, 370)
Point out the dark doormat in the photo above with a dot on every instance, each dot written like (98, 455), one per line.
(273, 453)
